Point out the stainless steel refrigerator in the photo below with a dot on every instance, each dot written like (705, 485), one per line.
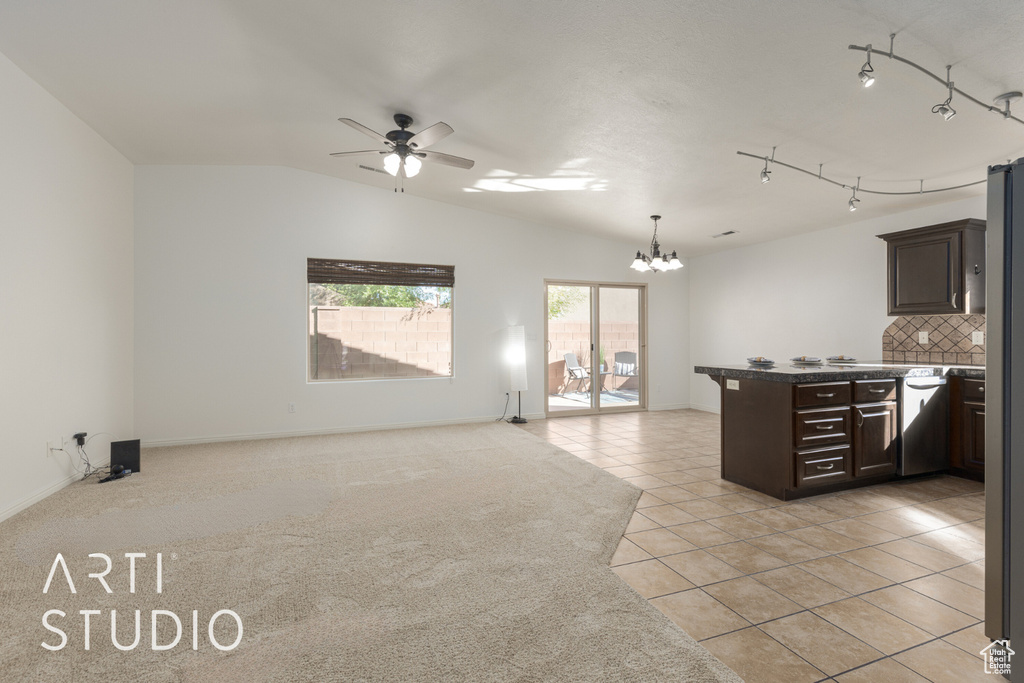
(1004, 408)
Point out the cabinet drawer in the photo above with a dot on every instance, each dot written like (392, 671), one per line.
(874, 390)
(824, 394)
(814, 427)
(822, 466)
(974, 390)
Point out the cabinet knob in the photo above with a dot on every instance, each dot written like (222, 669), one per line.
(981, 390)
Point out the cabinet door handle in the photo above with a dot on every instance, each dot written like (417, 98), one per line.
(954, 299)
(860, 419)
(823, 467)
(825, 395)
(878, 391)
(824, 428)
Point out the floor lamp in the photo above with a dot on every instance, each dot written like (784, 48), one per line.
(516, 356)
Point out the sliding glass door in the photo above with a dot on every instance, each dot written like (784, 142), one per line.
(596, 347)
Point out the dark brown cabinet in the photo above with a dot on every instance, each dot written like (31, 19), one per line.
(844, 431)
(967, 428)
(874, 439)
(936, 270)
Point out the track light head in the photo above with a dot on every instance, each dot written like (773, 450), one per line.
(765, 177)
(853, 203)
(867, 73)
(945, 110)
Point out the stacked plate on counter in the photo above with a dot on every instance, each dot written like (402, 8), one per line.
(841, 359)
(761, 361)
(806, 360)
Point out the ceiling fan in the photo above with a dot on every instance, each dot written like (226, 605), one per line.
(405, 149)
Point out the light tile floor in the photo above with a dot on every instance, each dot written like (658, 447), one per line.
(877, 584)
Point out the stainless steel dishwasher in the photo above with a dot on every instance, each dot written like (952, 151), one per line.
(924, 425)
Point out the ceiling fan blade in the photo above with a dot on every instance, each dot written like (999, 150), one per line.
(352, 154)
(428, 136)
(446, 159)
(363, 129)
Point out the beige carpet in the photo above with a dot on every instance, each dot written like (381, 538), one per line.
(464, 553)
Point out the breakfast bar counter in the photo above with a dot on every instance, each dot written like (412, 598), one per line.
(798, 430)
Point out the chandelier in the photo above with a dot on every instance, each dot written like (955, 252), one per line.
(656, 261)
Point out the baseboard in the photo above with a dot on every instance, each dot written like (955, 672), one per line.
(707, 409)
(323, 432)
(670, 406)
(39, 495)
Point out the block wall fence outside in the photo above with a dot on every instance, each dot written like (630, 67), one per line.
(350, 342)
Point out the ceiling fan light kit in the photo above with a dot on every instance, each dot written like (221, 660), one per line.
(406, 151)
(656, 261)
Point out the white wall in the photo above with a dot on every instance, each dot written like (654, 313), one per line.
(220, 300)
(821, 294)
(65, 290)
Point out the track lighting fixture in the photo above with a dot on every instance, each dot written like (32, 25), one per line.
(867, 73)
(1002, 102)
(1005, 100)
(766, 174)
(852, 204)
(944, 108)
(656, 261)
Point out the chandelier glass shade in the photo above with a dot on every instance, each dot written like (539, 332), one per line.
(655, 261)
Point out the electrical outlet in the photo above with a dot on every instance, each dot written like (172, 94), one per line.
(978, 338)
(54, 445)
(291, 407)
(733, 384)
(922, 337)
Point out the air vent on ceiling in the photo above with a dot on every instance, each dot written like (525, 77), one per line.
(724, 234)
(375, 170)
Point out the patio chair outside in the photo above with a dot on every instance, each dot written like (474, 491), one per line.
(577, 372)
(625, 364)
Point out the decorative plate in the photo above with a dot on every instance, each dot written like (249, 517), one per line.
(841, 359)
(807, 360)
(760, 360)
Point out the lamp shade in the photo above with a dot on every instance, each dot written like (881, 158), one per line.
(515, 356)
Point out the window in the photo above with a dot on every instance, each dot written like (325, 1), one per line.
(376, 320)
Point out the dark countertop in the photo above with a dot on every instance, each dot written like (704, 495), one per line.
(794, 374)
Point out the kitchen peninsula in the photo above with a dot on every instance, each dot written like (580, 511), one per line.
(797, 430)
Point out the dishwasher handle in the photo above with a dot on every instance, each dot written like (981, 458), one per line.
(924, 382)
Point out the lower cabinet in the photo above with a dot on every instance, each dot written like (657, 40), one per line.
(875, 428)
(967, 428)
(862, 433)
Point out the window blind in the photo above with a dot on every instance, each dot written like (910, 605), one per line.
(341, 272)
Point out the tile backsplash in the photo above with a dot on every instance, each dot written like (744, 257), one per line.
(949, 340)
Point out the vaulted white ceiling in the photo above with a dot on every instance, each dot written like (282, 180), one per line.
(584, 115)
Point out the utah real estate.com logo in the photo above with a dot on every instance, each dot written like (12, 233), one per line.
(997, 657)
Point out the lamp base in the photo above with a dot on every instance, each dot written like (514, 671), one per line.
(518, 420)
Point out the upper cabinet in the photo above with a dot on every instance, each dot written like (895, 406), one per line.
(939, 269)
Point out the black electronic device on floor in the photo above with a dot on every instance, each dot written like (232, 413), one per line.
(125, 454)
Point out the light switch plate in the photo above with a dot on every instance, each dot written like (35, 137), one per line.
(732, 384)
(922, 337)
(977, 337)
